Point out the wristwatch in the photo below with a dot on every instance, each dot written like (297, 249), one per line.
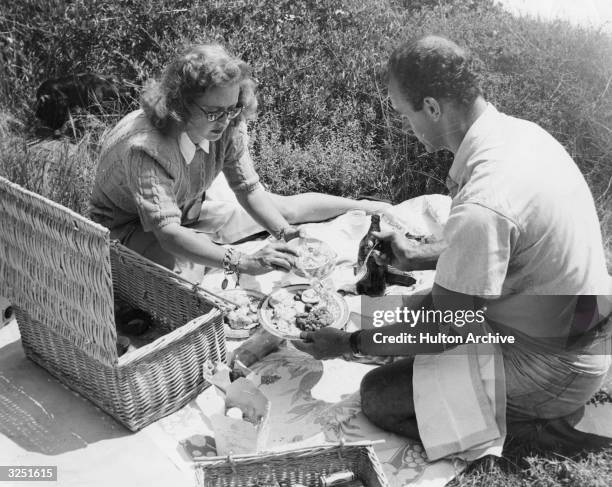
(355, 341)
(282, 233)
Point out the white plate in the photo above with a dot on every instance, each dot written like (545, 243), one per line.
(265, 313)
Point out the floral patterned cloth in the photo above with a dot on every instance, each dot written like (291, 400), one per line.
(313, 402)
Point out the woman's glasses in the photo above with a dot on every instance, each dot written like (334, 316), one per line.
(217, 114)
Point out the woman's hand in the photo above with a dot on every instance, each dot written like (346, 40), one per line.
(274, 256)
(324, 343)
(385, 209)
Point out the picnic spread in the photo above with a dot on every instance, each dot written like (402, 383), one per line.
(299, 412)
(314, 402)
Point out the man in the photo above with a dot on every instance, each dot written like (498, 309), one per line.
(522, 244)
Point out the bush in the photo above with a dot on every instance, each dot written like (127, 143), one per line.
(343, 165)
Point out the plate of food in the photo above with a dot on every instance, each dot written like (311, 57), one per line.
(288, 311)
(315, 259)
(239, 322)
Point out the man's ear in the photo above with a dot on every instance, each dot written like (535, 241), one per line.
(432, 108)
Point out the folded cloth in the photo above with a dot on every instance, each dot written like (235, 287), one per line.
(460, 402)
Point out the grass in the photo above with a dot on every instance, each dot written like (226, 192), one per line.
(539, 469)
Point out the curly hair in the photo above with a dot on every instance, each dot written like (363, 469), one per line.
(436, 67)
(198, 68)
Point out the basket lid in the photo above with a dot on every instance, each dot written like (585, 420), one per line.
(55, 265)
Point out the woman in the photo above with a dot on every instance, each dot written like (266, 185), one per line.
(158, 163)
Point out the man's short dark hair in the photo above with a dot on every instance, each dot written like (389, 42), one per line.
(436, 67)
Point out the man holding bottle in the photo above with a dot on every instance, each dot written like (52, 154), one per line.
(522, 242)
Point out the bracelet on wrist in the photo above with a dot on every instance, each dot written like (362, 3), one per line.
(231, 261)
(282, 233)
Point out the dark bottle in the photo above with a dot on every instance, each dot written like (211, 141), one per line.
(373, 283)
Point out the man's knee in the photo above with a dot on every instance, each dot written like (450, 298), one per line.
(387, 390)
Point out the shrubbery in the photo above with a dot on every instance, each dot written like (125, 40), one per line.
(325, 123)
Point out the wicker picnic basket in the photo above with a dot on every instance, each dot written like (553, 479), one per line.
(300, 466)
(61, 272)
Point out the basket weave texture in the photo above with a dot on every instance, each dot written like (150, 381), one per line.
(303, 466)
(61, 272)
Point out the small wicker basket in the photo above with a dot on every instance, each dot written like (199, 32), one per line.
(61, 272)
(302, 466)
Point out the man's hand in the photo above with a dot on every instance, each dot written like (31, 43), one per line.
(408, 254)
(403, 251)
(324, 343)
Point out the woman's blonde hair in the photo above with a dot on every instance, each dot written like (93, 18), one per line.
(198, 68)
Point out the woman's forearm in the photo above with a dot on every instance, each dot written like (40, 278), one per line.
(190, 245)
(263, 210)
(316, 207)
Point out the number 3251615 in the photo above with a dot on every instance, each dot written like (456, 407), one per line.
(28, 473)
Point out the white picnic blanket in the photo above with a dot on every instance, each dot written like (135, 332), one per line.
(459, 398)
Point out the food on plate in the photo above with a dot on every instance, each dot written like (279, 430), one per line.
(292, 312)
(245, 315)
(318, 317)
(281, 296)
(241, 318)
(310, 296)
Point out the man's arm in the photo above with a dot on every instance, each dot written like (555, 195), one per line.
(331, 342)
(444, 300)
